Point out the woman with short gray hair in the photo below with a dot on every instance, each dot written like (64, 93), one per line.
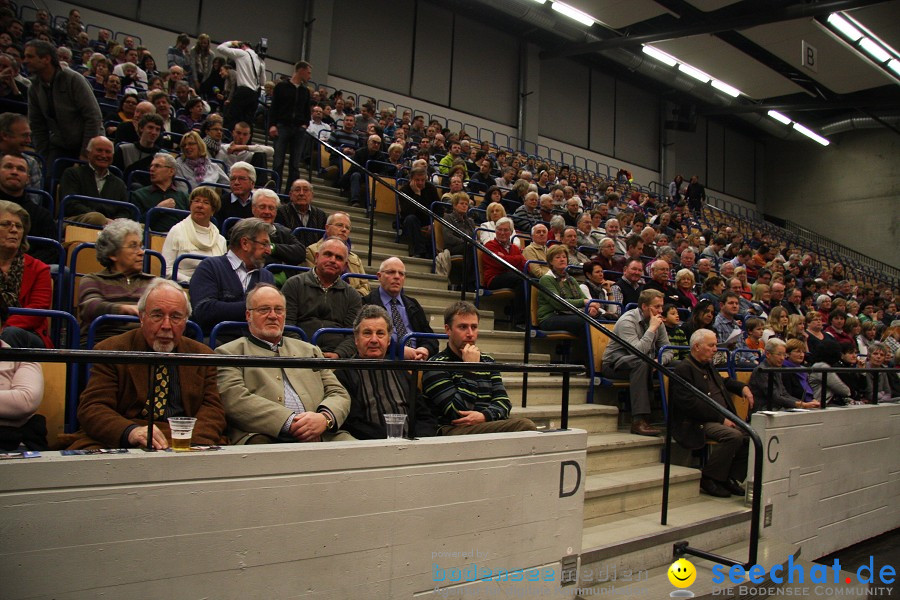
(116, 289)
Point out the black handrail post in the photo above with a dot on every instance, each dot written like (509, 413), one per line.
(757, 500)
(824, 387)
(667, 467)
(465, 271)
(770, 391)
(371, 213)
(564, 419)
(527, 343)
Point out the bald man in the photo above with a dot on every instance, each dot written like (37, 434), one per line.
(406, 314)
(97, 181)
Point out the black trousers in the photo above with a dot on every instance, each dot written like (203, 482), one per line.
(242, 107)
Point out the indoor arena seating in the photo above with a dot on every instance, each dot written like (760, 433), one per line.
(623, 473)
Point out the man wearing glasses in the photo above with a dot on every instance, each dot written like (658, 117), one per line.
(219, 285)
(115, 406)
(237, 204)
(161, 193)
(271, 405)
(406, 314)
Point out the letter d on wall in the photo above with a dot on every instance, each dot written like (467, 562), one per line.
(562, 478)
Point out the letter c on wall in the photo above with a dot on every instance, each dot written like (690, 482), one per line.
(772, 440)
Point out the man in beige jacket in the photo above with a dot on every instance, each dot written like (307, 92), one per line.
(271, 405)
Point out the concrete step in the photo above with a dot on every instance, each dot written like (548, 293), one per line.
(590, 417)
(636, 541)
(639, 487)
(654, 582)
(620, 450)
(545, 390)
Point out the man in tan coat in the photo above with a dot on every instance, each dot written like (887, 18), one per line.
(270, 405)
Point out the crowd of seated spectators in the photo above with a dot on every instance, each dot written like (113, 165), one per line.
(153, 133)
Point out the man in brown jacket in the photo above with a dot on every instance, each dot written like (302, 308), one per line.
(113, 410)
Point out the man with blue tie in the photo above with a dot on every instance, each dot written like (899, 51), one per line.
(406, 313)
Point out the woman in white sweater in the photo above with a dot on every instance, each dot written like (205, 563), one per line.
(21, 391)
(195, 234)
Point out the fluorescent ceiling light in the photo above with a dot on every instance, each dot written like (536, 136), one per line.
(724, 87)
(810, 134)
(779, 117)
(874, 50)
(844, 26)
(695, 73)
(573, 13)
(894, 66)
(659, 55)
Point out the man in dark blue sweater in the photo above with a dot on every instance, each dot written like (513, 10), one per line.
(220, 284)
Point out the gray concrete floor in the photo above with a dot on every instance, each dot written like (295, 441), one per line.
(885, 549)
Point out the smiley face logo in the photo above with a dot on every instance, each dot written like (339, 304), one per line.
(682, 573)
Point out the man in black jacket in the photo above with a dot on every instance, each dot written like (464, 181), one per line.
(416, 222)
(300, 212)
(354, 179)
(288, 118)
(94, 180)
(406, 313)
(286, 249)
(694, 421)
(13, 179)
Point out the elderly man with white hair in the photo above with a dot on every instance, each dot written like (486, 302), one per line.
(614, 232)
(694, 421)
(242, 178)
(286, 249)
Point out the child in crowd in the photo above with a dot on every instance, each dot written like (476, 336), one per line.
(677, 337)
(754, 328)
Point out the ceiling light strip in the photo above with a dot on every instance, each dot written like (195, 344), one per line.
(687, 69)
(573, 13)
(810, 133)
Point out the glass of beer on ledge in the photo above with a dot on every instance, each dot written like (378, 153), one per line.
(182, 428)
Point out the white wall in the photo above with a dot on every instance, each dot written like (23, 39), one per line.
(830, 476)
(369, 519)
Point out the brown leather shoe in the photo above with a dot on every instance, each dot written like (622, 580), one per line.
(642, 427)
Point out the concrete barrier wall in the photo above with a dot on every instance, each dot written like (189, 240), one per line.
(343, 520)
(831, 477)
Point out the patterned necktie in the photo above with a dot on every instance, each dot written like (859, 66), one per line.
(399, 327)
(160, 391)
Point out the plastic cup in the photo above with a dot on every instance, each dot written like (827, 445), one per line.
(182, 429)
(394, 425)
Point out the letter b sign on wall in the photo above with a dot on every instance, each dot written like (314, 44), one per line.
(810, 58)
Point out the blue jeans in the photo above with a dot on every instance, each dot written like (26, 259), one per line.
(290, 139)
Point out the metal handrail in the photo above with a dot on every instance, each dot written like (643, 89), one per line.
(772, 371)
(593, 322)
(278, 362)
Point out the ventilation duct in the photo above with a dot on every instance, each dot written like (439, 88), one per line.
(845, 124)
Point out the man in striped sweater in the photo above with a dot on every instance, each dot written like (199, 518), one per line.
(468, 402)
